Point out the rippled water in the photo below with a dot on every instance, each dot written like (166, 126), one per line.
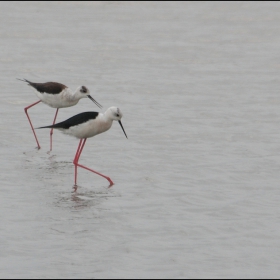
(196, 191)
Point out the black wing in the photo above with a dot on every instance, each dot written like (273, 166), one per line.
(49, 87)
(75, 120)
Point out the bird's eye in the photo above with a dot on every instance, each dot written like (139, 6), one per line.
(117, 115)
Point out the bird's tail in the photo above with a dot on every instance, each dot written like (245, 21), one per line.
(49, 126)
(60, 125)
(24, 80)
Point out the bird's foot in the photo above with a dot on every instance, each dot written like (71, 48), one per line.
(75, 187)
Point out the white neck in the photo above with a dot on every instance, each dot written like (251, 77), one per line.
(108, 115)
(75, 96)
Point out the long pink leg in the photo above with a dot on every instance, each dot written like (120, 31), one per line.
(25, 109)
(78, 153)
(51, 133)
(76, 160)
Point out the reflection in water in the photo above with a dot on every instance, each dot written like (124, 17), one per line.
(84, 198)
(199, 195)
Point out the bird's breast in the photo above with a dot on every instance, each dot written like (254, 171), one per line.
(98, 126)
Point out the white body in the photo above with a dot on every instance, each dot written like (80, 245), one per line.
(100, 124)
(64, 99)
(90, 128)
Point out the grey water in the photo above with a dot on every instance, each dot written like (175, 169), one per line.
(196, 191)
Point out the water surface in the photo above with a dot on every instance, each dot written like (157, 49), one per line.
(196, 191)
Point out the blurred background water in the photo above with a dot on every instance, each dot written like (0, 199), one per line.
(196, 191)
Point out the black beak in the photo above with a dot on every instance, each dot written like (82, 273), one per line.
(94, 101)
(122, 128)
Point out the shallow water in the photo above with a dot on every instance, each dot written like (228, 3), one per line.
(196, 191)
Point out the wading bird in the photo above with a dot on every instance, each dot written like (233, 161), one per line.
(85, 125)
(57, 96)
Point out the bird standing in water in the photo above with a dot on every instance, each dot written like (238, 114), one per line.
(57, 96)
(85, 125)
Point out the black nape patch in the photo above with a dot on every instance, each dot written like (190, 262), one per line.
(84, 89)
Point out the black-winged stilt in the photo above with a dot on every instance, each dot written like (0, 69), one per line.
(85, 125)
(57, 96)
